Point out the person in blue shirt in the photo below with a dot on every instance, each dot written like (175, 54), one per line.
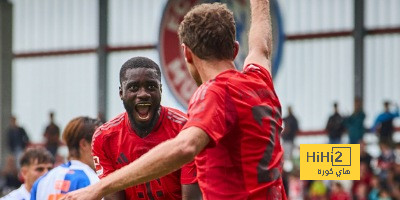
(384, 123)
(78, 172)
(355, 123)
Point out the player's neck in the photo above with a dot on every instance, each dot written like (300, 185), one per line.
(142, 131)
(83, 158)
(210, 69)
(28, 187)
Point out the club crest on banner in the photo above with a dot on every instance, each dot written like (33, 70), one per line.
(171, 56)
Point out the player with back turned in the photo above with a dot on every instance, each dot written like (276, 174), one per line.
(234, 124)
(78, 172)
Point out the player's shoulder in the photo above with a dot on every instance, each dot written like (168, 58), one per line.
(175, 111)
(40, 179)
(12, 195)
(258, 69)
(51, 175)
(113, 123)
(63, 168)
(78, 174)
(216, 85)
(110, 126)
(175, 115)
(77, 170)
(16, 194)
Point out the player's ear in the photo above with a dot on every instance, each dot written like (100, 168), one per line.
(120, 92)
(24, 172)
(160, 87)
(187, 53)
(235, 49)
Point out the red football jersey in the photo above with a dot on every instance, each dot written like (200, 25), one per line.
(115, 145)
(241, 113)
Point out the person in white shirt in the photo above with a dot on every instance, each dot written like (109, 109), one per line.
(34, 163)
(78, 172)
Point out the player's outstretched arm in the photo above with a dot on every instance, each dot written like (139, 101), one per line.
(159, 161)
(260, 35)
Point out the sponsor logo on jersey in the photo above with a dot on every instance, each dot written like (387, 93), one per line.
(97, 166)
(122, 159)
(62, 185)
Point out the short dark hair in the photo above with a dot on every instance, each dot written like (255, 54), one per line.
(77, 129)
(209, 30)
(36, 153)
(139, 62)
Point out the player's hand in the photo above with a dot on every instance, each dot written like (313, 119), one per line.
(84, 193)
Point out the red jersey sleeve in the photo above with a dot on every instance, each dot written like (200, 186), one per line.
(257, 70)
(188, 171)
(102, 163)
(188, 174)
(209, 111)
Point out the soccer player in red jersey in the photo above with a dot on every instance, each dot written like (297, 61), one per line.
(234, 125)
(144, 125)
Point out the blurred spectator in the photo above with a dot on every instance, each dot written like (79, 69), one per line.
(374, 192)
(338, 192)
(52, 136)
(392, 185)
(34, 163)
(289, 132)
(318, 190)
(355, 123)
(9, 176)
(361, 192)
(384, 123)
(397, 153)
(384, 195)
(296, 186)
(396, 170)
(335, 126)
(17, 138)
(385, 162)
(396, 181)
(365, 157)
(101, 117)
(363, 183)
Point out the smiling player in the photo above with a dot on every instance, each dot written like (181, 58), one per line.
(144, 125)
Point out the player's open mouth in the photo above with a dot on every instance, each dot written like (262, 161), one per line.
(143, 111)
